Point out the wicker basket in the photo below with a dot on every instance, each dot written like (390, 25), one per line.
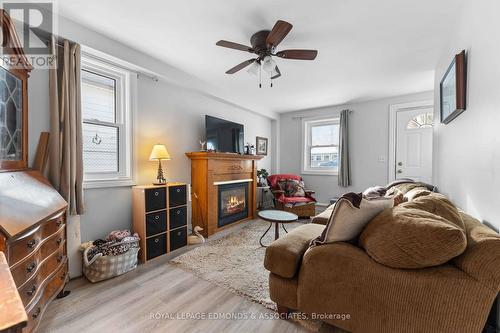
(305, 210)
(105, 267)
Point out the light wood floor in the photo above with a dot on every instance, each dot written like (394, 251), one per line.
(126, 304)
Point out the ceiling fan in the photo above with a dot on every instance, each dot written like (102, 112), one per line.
(264, 45)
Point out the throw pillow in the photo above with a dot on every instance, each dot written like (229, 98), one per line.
(410, 238)
(406, 184)
(282, 184)
(294, 188)
(416, 193)
(437, 204)
(374, 192)
(350, 215)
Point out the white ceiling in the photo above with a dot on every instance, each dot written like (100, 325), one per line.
(367, 49)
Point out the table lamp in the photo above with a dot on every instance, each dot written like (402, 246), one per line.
(159, 153)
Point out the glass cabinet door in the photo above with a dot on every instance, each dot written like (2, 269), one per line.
(11, 118)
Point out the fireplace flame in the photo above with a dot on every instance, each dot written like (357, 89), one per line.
(235, 204)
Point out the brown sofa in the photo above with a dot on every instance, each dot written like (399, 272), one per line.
(342, 285)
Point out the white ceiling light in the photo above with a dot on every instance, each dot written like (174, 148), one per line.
(268, 64)
(254, 68)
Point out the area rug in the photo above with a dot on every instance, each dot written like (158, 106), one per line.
(236, 261)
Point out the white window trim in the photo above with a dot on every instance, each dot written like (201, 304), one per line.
(126, 106)
(306, 139)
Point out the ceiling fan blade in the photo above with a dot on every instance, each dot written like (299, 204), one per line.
(298, 54)
(280, 30)
(240, 66)
(277, 75)
(235, 46)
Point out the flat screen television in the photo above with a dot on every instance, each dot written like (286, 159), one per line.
(224, 136)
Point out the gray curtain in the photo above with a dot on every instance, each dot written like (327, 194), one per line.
(344, 163)
(66, 151)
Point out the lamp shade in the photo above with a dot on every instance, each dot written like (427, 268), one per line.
(254, 68)
(159, 152)
(268, 64)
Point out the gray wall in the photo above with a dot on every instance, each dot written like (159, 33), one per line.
(170, 112)
(467, 150)
(174, 116)
(369, 139)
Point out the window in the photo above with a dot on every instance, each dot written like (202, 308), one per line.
(424, 120)
(106, 92)
(320, 152)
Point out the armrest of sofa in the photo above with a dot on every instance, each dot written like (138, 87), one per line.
(481, 258)
(284, 255)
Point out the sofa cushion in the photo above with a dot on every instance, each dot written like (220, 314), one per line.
(284, 255)
(350, 215)
(293, 200)
(404, 237)
(437, 204)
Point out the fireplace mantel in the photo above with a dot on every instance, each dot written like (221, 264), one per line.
(203, 155)
(208, 171)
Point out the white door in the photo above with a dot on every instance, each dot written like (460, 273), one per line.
(414, 144)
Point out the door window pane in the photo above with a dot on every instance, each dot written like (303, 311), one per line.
(98, 97)
(424, 120)
(100, 148)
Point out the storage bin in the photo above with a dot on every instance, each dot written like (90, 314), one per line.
(102, 267)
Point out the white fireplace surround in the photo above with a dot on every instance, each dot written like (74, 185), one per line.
(233, 181)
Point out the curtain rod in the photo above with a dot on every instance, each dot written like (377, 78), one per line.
(314, 116)
(152, 77)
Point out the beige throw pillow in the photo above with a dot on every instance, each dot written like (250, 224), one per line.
(350, 215)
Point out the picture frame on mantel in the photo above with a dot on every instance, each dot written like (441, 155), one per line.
(453, 88)
(261, 144)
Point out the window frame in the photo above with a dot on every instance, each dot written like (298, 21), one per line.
(125, 91)
(307, 146)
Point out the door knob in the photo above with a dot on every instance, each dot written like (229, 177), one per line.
(400, 163)
(400, 171)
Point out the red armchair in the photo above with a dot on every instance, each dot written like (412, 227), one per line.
(303, 206)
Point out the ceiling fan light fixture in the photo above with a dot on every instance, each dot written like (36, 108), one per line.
(254, 68)
(274, 72)
(268, 64)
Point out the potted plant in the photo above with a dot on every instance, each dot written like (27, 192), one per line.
(262, 175)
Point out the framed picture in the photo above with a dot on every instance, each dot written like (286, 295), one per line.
(261, 145)
(453, 89)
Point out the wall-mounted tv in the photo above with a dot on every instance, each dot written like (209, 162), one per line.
(224, 136)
